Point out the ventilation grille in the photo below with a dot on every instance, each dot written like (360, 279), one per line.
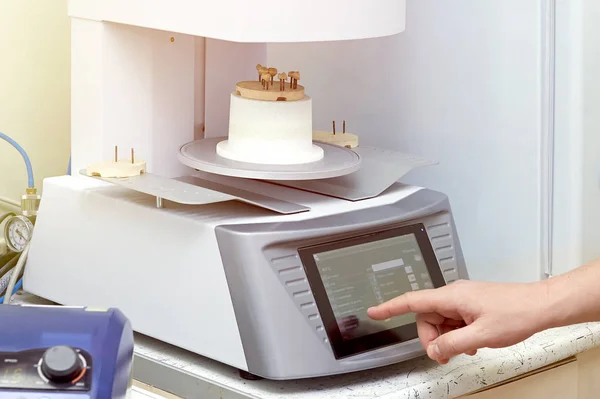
(439, 230)
(292, 276)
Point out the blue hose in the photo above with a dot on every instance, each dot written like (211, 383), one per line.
(30, 181)
(17, 288)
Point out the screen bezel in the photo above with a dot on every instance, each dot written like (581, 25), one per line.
(341, 348)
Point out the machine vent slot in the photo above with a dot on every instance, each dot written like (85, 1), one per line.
(291, 259)
(449, 270)
(307, 305)
(301, 293)
(440, 237)
(289, 270)
(313, 317)
(446, 259)
(295, 281)
(444, 247)
(320, 328)
(437, 226)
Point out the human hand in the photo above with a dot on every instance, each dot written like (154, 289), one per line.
(467, 315)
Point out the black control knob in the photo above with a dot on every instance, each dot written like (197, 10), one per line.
(61, 364)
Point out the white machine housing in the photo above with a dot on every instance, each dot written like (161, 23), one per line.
(154, 76)
(226, 280)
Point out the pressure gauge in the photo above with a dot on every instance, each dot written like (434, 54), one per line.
(17, 232)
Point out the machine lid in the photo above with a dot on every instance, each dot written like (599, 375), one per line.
(248, 21)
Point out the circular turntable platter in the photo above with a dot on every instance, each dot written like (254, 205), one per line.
(202, 155)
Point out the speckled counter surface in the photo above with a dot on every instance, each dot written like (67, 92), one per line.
(420, 378)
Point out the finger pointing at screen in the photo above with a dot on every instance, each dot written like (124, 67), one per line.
(467, 315)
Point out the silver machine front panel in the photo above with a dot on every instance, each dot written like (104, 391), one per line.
(285, 316)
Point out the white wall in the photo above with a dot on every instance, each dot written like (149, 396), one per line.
(463, 86)
(591, 128)
(34, 90)
(577, 163)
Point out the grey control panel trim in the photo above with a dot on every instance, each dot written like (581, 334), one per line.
(278, 341)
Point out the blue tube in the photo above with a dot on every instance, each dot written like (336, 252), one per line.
(69, 167)
(18, 286)
(30, 182)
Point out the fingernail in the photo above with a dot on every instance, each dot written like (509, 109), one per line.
(434, 352)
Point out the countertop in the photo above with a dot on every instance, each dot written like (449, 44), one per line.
(139, 393)
(419, 378)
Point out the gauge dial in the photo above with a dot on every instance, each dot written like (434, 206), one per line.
(17, 232)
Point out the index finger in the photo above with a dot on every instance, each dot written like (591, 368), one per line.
(426, 301)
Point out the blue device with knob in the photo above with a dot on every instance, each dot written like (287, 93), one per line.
(51, 352)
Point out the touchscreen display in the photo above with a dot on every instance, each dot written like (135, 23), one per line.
(351, 275)
(360, 276)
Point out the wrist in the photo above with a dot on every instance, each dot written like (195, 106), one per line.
(548, 313)
(560, 305)
(570, 298)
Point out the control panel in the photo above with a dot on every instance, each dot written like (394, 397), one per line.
(323, 274)
(60, 352)
(46, 369)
